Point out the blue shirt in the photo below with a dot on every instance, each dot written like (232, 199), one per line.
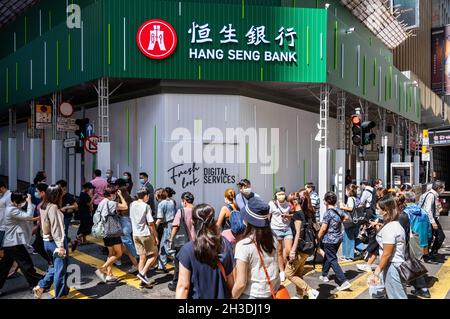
(166, 210)
(332, 218)
(207, 282)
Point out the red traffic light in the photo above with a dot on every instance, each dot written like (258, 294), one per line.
(356, 120)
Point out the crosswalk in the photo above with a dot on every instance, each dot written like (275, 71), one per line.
(89, 258)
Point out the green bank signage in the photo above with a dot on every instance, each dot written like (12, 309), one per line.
(195, 41)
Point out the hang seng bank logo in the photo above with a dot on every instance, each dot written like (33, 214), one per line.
(156, 39)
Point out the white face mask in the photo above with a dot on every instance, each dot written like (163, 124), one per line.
(247, 190)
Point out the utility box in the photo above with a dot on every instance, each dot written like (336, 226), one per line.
(402, 173)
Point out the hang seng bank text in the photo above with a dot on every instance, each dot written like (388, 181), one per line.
(242, 55)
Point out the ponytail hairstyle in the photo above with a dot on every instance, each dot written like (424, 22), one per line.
(401, 202)
(388, 205)
(352, 190)
(208, 242)
(230, 194)
(306, 203)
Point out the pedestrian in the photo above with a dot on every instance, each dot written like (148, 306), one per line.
(416, 224)
(145, 236)
(301, 219)
(38, 243)
(85, 208)
(331, 235)
(17, 224)
(351, 232)
(378, 184)
(127, 238)
(392, 241)
(315, 199)
(100, 185)
(280, 223)
(223, 221)
(187, 201)
(431, 205)
(348, 177)
(145, 183)
(69, 206)
(128, 181)
(236, 231)
(256, 255)
(245, 192)
(165, 216)
(40, 177)
(55, 243)
(108, 208)
(110, 179)
(206, 263)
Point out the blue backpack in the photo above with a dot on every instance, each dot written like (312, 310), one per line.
(236, 221)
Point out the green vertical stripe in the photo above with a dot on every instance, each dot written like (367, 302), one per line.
(109, 43)
(390, 82)
(128, 136)
(69, 49)
(17, 76)
(243, 9)
(385, 87)
(364, 75)
(246, 161)
(7, 85)
(400, 94)
(199, 72)
(262, 74)
(317, 6)
(94, 161)
(335, 44)
(374, 71)
(370, 41)
(307, 45)
(154, 156)
(57, 63)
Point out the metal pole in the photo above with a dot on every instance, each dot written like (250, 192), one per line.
(83, 164)
(324, 169)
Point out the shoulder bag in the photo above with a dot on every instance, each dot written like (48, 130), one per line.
(411, 268)
(282, 292)
(182, 236)
(112, 224)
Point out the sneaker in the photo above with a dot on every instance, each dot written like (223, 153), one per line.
(429, 259)
(282, 276)
(143, 278)
(118, 262)
(345, 285)
(133, 269)
(151, 281)
(313, 294)
(344, 259)
(364, 267)
(101, 275)
(111, 279)
(296, 297)
(324, 278)
(172, 286)
(421, 293)
(38, 291)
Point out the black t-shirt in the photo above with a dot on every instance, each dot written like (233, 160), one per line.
(83, 203)
(68, 200)
(298, 215)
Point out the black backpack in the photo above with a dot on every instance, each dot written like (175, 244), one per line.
(182, 236)
(308, 240)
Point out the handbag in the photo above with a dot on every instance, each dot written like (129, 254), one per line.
(182, 236)
(411, 268)
(112, 224)
(282, 292)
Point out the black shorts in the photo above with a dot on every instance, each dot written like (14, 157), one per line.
(372, 246)
(112, 241)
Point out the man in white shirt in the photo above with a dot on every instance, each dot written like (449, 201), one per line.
(5, 201)
(367, 195)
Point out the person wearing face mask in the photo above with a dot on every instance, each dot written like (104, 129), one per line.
(128, 181)
(40, 177)
(280, 222)
(144, 182)
(38, 243)
(85, 209)
(245, 192)
(110, 179)
(17, 226)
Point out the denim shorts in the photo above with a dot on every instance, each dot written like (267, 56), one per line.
(281, 234)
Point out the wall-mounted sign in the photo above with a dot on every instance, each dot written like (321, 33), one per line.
(66, 109)
(440, 63)
(70, 142)
(43, 117)
(440, 137)
(66, 124)
(409, 12)
(218, 175)
(156, 39)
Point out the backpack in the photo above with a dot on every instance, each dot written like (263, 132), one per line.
(182, 236)
(308, 241)
(236, 221)
(98, 229)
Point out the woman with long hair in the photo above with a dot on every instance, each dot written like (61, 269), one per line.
(350, 232)
(85, 207)
(55, 243)
(303, 218)
(256, 255)
(109, 207)
(128, 181)
(206, 264)
(392, 240)
(223, 221)
(125, 223)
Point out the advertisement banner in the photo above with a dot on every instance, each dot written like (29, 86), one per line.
(408, 11)
(437, 52)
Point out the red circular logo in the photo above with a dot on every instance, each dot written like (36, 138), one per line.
(156, 39)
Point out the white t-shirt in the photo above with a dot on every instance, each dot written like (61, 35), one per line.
(257, 285)
(141, 216)
(394, 234)
(5, 201)
(277, 221)
(351, 202)
(111, 209)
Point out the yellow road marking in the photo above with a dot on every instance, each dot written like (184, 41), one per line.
(442, 285)
(359, 285)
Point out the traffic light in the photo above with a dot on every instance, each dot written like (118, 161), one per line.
(82, 125)
(366, 132)
(356, 130)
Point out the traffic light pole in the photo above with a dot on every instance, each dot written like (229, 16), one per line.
(324, 181)
(382, 162)
(57, 144)
(340, 151)
(358, 158)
